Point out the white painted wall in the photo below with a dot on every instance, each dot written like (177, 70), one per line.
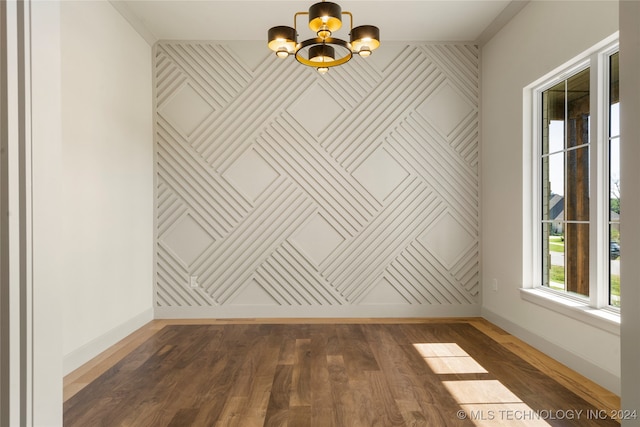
(543, 36)
(630, 99)
(44, 394)
(107, 179)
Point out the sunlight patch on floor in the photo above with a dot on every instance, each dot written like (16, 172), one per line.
(484, 402)
(448, 358)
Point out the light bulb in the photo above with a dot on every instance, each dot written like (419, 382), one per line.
(323, 70)
(364, 52)
(324, 32)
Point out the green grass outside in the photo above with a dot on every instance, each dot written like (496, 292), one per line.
(615, 289)
(554, 247)
(556, 244)
(556, 274)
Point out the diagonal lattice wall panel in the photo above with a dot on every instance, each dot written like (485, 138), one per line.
(279, 188)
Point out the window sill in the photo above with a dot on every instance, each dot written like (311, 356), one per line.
(601, 318)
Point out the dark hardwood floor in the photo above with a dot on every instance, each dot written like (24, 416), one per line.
(430, 374)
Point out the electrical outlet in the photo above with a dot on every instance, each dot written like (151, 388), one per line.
(193, 281)
(494, 285)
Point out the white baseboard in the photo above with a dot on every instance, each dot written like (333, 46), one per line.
(352, 311)
(584, 367)
(82, 355)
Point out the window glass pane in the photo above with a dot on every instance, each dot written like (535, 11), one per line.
(614, 119)
(577, 185)
(553, 114)
(614, 183)
(614, 100)
(556, 135)
(553, 255)
(553, 187)
(614, 179)
(614, 265)
(565, 167)
(576, 259)
(578, 109)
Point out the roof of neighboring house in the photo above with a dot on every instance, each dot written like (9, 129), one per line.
(556, 207)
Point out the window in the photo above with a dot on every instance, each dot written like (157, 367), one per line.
(565, 184)
(614, 183)
(577, 182)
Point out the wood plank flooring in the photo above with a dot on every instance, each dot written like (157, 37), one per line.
(437, 373)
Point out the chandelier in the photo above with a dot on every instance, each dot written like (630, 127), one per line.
(324, 51)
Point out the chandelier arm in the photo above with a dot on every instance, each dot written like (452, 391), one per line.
(295, 19)
(350, 19)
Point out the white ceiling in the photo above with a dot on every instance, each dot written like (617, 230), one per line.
(416, 20)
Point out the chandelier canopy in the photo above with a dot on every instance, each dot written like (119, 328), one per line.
(324, 51)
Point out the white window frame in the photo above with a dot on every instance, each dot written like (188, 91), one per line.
(595, 309)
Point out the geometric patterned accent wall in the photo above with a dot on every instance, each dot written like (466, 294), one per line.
(280, 188)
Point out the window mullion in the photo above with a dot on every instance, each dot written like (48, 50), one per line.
(598, 209)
